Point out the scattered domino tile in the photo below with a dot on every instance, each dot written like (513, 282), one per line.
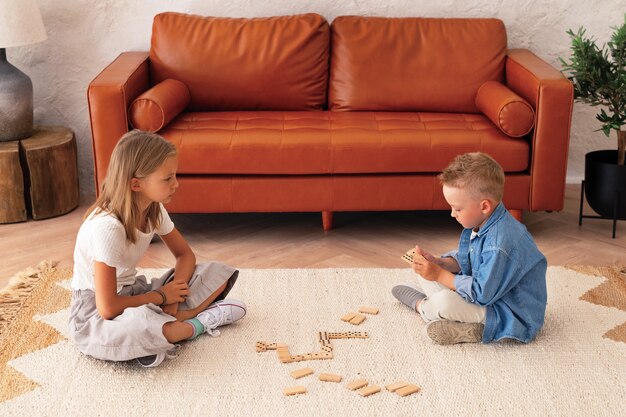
(299, 373)
(368, 310)
(356, 384)
(330, 378)
(283, 355)
(294, 390)
(408, 390)
(264, 346)
(397, 385)
(326, 352)
(358, 319)
(348, 335)
(369, 390)
(348, 316)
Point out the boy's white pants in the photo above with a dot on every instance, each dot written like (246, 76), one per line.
(441, 303)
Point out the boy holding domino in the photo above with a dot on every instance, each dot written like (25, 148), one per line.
(493, 286)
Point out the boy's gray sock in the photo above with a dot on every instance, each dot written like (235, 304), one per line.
(407, 295)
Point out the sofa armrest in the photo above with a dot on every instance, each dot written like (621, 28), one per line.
(552, 96)
(109, 96)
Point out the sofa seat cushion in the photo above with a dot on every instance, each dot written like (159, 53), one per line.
(325, 142)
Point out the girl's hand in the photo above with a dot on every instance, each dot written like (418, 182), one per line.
(175, 292)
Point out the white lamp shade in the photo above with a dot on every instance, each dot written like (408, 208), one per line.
(20, 23)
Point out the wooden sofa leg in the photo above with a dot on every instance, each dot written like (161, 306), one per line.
(517, 214)
(327, 220)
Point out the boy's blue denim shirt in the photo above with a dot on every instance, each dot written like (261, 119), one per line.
(503, 270)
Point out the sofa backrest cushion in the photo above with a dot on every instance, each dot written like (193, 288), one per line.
(274, 63)
(413, 64)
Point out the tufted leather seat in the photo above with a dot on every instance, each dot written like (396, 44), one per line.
(322, 142)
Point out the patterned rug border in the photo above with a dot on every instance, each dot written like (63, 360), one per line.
(610, 293)
(35, 292)
(18, 289)
(29, 293)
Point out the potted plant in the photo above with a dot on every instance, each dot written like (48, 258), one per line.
(599, 79)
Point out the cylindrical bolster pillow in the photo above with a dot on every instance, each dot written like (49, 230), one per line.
(511, 113)
(155, 108)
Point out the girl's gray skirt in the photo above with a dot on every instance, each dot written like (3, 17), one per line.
(138, 331)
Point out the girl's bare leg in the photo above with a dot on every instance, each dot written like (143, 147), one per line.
(175, 331)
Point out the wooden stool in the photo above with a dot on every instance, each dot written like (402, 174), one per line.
(46, 169)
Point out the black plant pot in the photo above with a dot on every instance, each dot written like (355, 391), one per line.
(605, 184)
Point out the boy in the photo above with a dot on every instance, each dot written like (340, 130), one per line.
(494, 286)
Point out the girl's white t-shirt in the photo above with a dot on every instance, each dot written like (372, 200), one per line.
(102, 238)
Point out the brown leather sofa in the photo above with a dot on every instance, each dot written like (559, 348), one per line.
(290, 113)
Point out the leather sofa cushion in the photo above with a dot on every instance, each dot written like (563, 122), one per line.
(323, 142)
(156, 107)
(413, 64)
(273, 63)
(511, 113)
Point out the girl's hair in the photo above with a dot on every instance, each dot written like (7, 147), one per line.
(137, 155)
(477, 173)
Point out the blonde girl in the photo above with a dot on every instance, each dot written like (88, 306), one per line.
(116, 315)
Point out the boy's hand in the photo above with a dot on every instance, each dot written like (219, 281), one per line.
(426, 268)
(429, 257)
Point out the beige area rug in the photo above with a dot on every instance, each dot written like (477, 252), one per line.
(575, 367)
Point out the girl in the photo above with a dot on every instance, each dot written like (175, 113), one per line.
(115, 314)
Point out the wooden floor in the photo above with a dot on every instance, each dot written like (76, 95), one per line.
(296, 240)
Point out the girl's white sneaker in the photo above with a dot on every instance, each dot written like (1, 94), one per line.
(152, 361)
(221, 313)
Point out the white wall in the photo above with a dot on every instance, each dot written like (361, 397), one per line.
(85, 35)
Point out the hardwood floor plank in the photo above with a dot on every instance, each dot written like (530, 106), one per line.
(297, 240)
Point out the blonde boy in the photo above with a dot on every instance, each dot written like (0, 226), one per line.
(494, 286)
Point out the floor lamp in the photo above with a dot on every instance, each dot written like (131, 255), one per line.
(20, 24)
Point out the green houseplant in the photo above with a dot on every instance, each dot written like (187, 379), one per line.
(599, 79)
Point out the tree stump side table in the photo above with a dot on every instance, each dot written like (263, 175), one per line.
(12, 204)
(50, 174)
